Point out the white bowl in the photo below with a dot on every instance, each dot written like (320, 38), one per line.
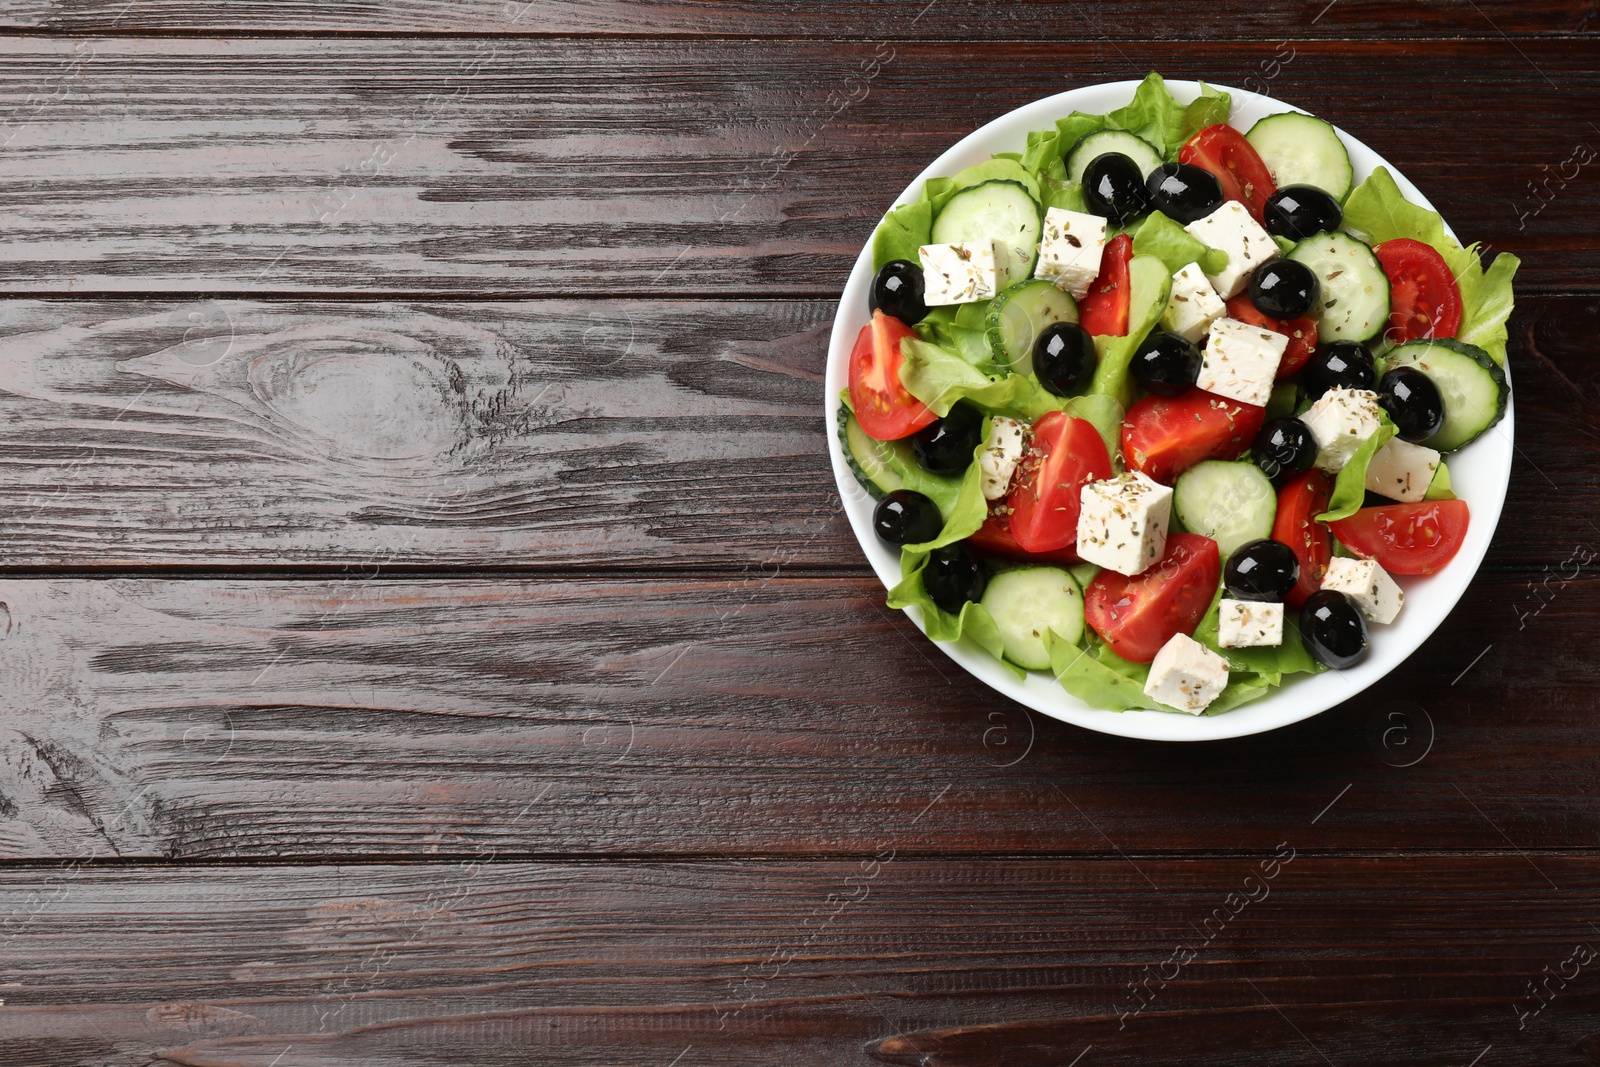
(1479, 473)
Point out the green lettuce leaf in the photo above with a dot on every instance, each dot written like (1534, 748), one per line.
(1167, 240)
(940, 377)
(903, 230)
(1089, 679)
(1350, 487)
(1149, 284)
(1242, 688)
(1377, 211)
(1439, 488)
(1154, 115)
(1075, 127)
(1104, 413)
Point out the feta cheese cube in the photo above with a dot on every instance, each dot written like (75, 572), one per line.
(1367, 585)
(1186, 675)
(958, 274)
(1001, 453)
(1249, 624)
(1193, 305)
(1231, 229)
(1122, 525)
(1069, 251)
(1240, 361)
(1341, 420)
(1402, 471)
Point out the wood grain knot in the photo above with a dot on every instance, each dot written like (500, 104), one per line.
(406, 389)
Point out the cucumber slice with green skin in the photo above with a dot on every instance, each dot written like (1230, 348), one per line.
(1354, 303)
(1025, 602)
(1001, 211)
(872, 461)
(1301, 150)
(1473, 386)
(1142, 152)
(1231, 503)
(1019, 315)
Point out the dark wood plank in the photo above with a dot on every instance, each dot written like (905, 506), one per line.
(606, 167)
(249, 720)
(544, 434)
(1294, 959)
(1033, 20)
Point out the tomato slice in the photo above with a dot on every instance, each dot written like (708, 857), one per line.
(1065, 455)
(1104, 309)
(1302, 333)
(1424, 299)
(1407, 538)
(1222, 151)
(883, 406)
(1137, 615)
(1165, 436)
(1300, 501)
(994, 539)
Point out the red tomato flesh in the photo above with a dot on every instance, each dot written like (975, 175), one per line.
(1136, 616)
(1424, 299)
(1302, 333)
(1104, 310)
(994, 539)
(883, 406)
(1300, 501)
(1222, 151)
(1063, 456)
(1407, 538)
(1165, 436)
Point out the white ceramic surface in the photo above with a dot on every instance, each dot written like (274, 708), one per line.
(1479, 473)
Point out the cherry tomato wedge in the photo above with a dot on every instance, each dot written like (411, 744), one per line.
(1065, 454)
(1137, 615)
(1300, 501)
(1165, 436)
(883, 406)
(1104, 310)
(1424, 299)
(1407, 538)
(1302, 333)
(994, 539)
(1223, 152)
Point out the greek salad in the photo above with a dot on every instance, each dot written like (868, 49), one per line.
(1161, 406)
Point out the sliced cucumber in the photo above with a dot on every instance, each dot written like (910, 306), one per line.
(1017, 317)
(871, 461)
(1144, 154)
(1354, 304)
(1473, 386)
(1301, 150)
(1231, 503)
(1025, 602)
(1002, 211)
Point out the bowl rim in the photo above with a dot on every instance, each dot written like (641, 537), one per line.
(1299, 698)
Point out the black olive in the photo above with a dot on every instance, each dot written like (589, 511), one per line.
(1301, 211)
(1183, 191)
(1338, 365)
(1114, 188)
(1284, 289)
(1413, 402)
(1064, 357)
(952, 577)
(897, 291)
(1284, 448)
(907, 518)
(945, 446)
(1166, 364)
(1333, 629)
(1263, 570)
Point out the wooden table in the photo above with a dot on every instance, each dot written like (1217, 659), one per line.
(430, 634)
